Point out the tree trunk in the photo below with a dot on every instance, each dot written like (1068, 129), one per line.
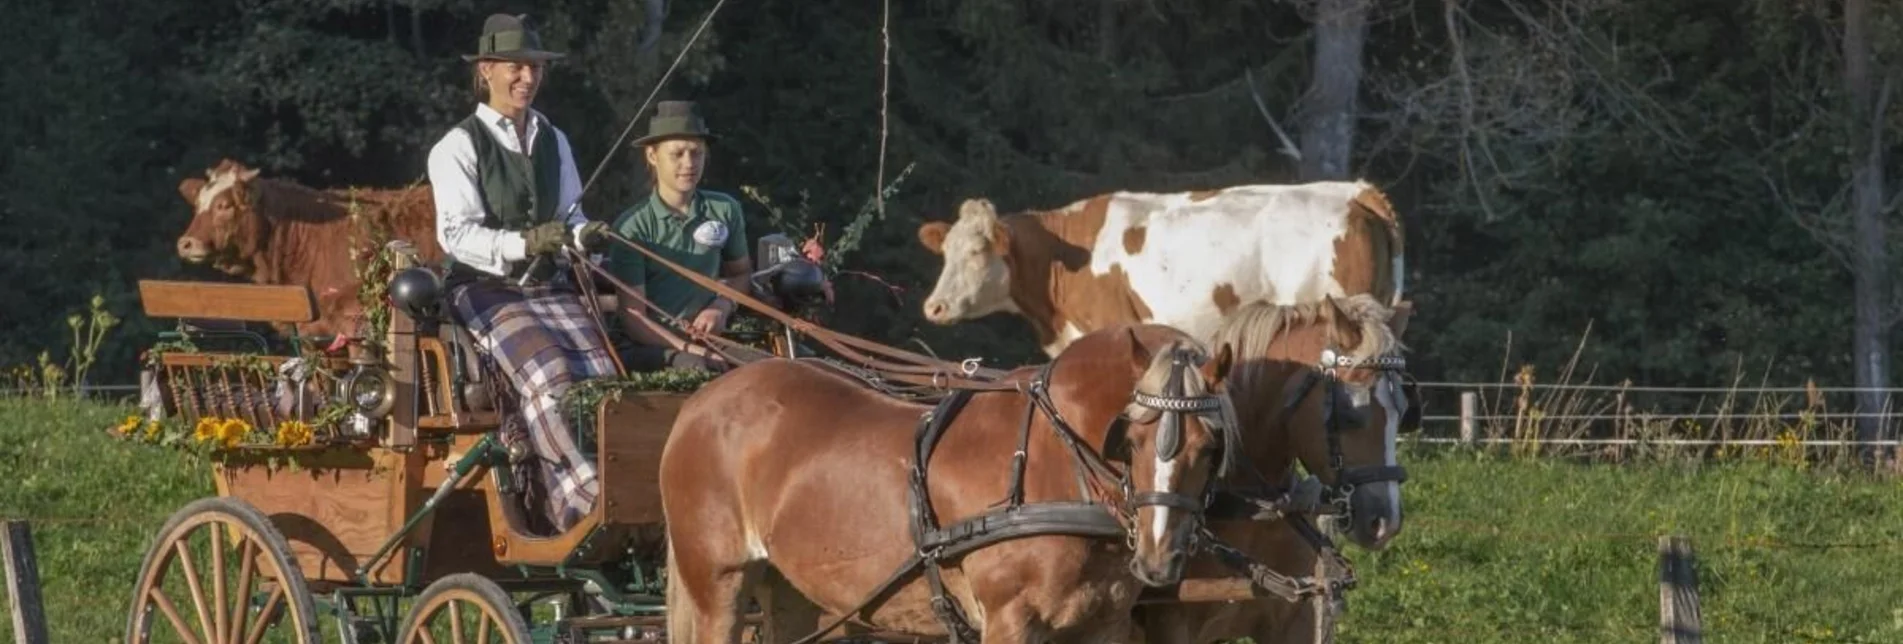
(416, 28)
(1328, 116)
(1870, 257)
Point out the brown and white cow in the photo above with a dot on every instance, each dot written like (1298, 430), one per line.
(273, 231)
(1183, 259)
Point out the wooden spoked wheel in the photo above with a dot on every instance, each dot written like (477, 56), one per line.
(464, 608)
(220, 572)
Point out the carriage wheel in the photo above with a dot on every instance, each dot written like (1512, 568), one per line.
(220, 572)
(464, 607)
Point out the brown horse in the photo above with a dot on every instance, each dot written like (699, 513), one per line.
(1322, 383)
(789, 466)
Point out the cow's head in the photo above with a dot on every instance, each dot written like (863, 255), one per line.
(225, 232)
(976, 280)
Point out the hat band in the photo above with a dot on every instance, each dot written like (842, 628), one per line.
(676, 125)
(505, 41)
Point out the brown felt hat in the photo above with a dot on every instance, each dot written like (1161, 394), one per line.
(507, 37)
(675, 120)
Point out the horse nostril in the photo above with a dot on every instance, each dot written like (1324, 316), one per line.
(935, 309)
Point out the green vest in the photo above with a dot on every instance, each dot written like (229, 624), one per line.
(518, 191)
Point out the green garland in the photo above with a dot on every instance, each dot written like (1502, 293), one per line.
(579, 403)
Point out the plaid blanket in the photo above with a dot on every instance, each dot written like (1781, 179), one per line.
(543, 340)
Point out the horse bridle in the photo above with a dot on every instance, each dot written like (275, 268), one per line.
(1173, 404)
(1348, 478)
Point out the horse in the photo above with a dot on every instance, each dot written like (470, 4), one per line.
(1320, 382)
(788, 467)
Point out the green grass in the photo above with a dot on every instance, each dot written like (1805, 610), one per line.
(93, 503)
(1499, 550)
(1495, 550)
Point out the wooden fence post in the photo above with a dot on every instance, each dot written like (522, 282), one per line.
(1469, 410)
(23, 582)
(1679, 620)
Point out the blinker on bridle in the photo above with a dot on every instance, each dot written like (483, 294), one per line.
(1347, 478)
(1174, 403)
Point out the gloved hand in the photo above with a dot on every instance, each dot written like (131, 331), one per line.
(544, 239)
(591, 236)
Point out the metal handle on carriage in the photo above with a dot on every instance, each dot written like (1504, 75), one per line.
(476, 456)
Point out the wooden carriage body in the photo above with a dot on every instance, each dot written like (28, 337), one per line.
(337, 504)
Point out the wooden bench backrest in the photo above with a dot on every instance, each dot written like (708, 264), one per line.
(285, 304)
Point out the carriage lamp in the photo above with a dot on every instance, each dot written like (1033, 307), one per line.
(370, 392)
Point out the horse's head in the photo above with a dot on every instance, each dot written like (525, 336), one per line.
(1324, 383)
(224, 231)
(1350, 409)
(1177, 432)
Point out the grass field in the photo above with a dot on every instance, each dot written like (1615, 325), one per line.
(1495, 549)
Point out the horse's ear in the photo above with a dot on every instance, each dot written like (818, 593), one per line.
(1139, 354)
(189, 189)
(1217, 369)
(1398, 321)
(1334, 309)
(932, 235)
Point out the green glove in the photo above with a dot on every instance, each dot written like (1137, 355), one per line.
(593, 234)
(544, 239)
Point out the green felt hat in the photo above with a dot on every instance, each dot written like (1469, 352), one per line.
(675, 120)
(507, 37)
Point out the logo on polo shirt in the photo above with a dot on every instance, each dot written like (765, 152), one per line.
(711, 234)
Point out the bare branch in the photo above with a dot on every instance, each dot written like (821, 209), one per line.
(1288, 148)
(1819, 225)
(1459, 61)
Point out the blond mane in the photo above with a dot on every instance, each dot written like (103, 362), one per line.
(1254, 328)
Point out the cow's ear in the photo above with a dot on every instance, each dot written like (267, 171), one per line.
(248, 174)
(932, 235)
(189, 189)
(1398, 321)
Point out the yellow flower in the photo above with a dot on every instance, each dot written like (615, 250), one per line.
(294, 433)
(206, 430)
(152, 428)
(232, 431)
(127, 426)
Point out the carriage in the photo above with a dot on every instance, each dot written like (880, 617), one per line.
(368, 496)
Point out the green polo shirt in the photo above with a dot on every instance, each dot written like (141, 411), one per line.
(682, 240)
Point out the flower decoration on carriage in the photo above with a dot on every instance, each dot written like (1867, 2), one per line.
(294, 433)
(227, 432)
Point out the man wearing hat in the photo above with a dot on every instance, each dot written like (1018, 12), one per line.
(506, 190)
(699, 229)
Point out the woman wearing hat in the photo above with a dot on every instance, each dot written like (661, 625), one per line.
(700, 229)
(506, 188)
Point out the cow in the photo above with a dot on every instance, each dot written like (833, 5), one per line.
(274, 231)
(1184, 259)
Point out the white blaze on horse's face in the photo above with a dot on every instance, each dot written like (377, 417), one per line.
(1395, 406)
(975, 281)
(1163, 481)
(1382, 500)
